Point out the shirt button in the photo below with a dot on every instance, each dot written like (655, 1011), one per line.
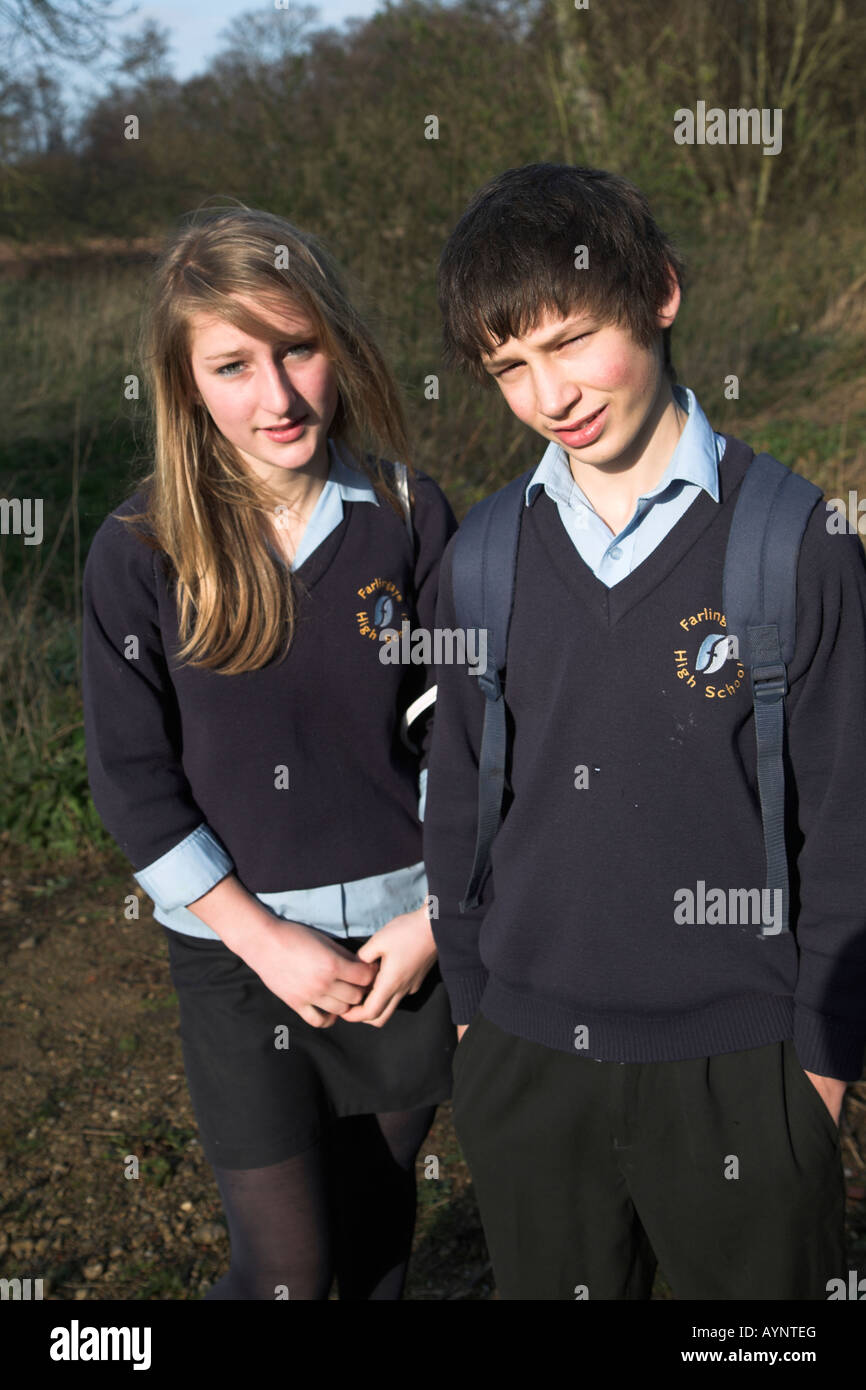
(615, 553)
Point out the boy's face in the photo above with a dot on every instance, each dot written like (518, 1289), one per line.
(588, 385)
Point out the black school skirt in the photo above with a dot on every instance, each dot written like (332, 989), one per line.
(258, 1101)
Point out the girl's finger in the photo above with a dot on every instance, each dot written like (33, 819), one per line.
(317, 1018)
(341, 992)
(381, 1019)
(377, 1008)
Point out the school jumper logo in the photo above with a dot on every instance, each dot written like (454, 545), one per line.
(702, 654)
(384, 607)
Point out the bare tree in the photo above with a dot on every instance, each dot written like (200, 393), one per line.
(75, 29)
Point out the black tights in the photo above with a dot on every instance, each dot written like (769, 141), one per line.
(344, 1207)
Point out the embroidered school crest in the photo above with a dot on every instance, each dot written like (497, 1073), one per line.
(383, 607)
(705, 649)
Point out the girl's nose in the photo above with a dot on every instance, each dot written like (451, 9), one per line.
(278, 392)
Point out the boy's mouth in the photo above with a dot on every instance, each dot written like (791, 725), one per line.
(585, 430)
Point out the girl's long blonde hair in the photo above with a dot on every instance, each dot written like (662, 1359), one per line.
(206, 510)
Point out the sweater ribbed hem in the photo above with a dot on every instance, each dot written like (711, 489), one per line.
(465, 993)
(746, 1021)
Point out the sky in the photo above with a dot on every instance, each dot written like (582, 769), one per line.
(195, 25)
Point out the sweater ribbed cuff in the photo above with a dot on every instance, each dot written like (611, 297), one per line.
(828, 1046)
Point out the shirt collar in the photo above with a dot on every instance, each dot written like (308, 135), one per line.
(345, 479)
(694, 460)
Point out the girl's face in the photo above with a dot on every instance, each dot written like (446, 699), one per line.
(274, 403)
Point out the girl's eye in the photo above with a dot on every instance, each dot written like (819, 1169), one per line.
(231, 369)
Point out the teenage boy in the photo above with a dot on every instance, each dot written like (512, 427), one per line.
(641, 1080)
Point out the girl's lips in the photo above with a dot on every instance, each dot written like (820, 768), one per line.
(587, 433)
(284, 433)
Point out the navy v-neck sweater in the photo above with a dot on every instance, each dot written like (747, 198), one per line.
(632, 779)
(298, 768)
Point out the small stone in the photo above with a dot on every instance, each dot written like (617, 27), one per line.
(80, 1294)
(115, 1252)
(64, 1220)
(208, 1233)
(27, 944)
(22, 1249)
(186, 1206)
(93, 1269)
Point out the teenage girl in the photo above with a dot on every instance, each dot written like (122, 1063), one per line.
(247, 749)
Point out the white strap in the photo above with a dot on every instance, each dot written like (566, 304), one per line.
(417, 707)
(401, 478)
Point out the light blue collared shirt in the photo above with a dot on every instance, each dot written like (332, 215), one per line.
(190, 869)
(694, 465)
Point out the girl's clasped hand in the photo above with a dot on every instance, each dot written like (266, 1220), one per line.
(323, 981)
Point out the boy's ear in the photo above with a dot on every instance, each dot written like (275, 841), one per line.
(669, 310)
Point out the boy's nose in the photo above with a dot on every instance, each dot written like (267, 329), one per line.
(556, 396)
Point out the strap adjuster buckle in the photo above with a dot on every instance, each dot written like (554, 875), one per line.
(770, 683)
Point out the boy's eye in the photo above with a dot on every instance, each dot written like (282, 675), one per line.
(578, 337)
(510, 368)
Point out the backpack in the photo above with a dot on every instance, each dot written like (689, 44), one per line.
(417, 707)
(759, 601)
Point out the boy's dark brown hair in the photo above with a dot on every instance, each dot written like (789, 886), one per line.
(511, 258)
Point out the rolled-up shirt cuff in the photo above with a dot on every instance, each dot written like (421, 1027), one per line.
(185, 873)
(422, 793)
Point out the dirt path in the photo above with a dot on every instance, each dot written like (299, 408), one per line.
(92, 1073)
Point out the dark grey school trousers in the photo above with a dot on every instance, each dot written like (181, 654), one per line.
(726, 1171)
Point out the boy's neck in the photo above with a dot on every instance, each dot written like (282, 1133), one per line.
(614, 488)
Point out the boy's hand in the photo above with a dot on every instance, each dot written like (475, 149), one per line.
(831, 1091)
(405, 950)
(461, 1029)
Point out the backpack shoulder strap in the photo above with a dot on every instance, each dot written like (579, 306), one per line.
(760, 606)
(484, 562)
